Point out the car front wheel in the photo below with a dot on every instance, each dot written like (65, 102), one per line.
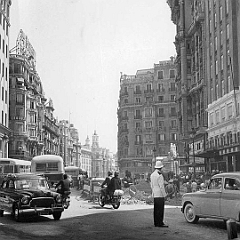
(189, 214)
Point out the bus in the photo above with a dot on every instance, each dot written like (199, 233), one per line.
(74, 171)
(11, 165)
(49, 166)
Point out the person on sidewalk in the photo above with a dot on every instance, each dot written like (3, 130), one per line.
(159, 195)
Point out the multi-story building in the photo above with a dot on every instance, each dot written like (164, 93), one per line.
(50, 130)
(190, 80)
(76, 152)
(86, 158)
(64, 141)
(26, 102)
(208, 81)
(147, 118)
(97, 157)
(4, 73)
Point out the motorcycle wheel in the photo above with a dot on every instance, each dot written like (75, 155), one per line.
(66, 204)
(101, 200)
(116, 204)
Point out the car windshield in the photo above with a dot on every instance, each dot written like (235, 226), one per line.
(38, 184)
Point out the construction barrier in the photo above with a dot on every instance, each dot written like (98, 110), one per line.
(92, 187)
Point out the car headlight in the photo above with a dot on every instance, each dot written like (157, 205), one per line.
(25, 200)
(59, 198)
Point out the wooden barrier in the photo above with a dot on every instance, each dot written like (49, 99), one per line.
(92, 187)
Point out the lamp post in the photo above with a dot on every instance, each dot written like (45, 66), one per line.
(192, 135)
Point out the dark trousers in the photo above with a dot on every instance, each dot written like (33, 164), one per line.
(158, 211)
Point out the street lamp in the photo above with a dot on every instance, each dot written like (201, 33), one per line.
(192, 135)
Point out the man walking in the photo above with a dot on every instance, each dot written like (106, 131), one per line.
(159, 194)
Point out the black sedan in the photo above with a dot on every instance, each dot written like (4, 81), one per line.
(26, 194)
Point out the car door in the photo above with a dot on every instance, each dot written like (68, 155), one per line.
(230, 200)
(211, 204)
(5, 196)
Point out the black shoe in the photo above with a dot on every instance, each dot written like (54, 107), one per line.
(163, 225)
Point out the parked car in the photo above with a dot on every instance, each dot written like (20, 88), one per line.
(220, 199)
(26, 194)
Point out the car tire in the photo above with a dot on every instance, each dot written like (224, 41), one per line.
(189, 213)
(17, 216)
(57, 215)
(1, 213)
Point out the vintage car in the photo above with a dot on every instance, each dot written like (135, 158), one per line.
(220, 199)
(25, 194)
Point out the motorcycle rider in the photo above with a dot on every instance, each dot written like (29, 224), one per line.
(106, 182)
(64, 185)
(114, 184)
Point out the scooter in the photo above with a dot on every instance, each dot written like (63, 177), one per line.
(114, 200)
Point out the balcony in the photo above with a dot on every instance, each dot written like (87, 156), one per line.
(138, 117)
(149, 91)
(137, 92)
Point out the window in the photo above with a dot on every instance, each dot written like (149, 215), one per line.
(211, 119)
(160, 74)
(227, 31)
(160, 99)
(6, 96)
(125, 100)
(19, 98)
(172, 98)
(223, 113)
(3, 93)
(173, 123)
(161, 124)
(215, 183)
(174, 137)
(138, 100)
(217, 117)
(137, 113)
(227, 6)
(216, 67)
(125, 114)
(149, 87)
(161, 137)
(138, 138)
(172, 86)
(161, 112)
(138, 89)
(148, 137)
(228, 83)
(148, 112)
(160, 87)
(229, 111)
(148, 124)
(173, 111)
(231, 184)
(221, 13)
(172, 73)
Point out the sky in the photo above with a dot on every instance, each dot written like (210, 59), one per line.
(81, 48)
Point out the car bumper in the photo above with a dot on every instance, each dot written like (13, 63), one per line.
(40, 211)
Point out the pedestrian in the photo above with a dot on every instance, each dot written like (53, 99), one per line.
(159, 195)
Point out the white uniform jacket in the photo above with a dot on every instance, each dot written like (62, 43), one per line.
(157, 185)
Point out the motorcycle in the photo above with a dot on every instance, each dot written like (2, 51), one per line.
(114, 200)
(66, 199)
